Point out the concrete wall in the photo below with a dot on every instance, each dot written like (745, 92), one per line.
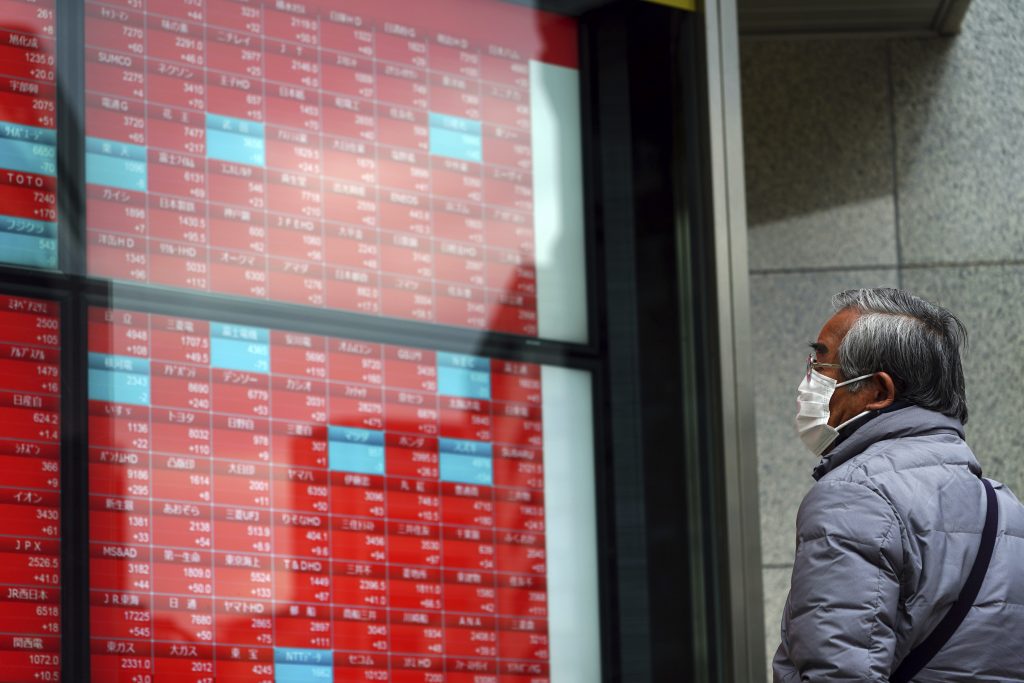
(884, 163)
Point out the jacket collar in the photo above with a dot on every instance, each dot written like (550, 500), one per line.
(884, 425)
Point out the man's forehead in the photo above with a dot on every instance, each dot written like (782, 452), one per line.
(834, 330)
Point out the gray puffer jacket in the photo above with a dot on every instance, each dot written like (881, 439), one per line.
(885, 541)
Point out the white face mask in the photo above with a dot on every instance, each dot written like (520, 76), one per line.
(813, 396)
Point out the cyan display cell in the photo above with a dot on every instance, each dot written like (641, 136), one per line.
(466, 469)
(465, 447)
(118, 387)
(462, 382)
(107, 361)
(243, 332)
(237, 140)
(463, 360)
(16, 131)
(297, 665)
(25, 250)
(115, 164)
(240, 149)
(343, 456)
(456, 145)
(355, 435)
(28, 157)
(28, 227)
(237, 354)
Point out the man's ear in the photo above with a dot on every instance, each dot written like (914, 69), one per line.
(883, 391)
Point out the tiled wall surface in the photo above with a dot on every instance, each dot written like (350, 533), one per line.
(884, 163)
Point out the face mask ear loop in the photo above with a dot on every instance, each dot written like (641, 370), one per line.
(856, 379)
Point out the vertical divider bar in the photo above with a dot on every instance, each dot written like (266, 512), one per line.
(74, 406)
(71, 136)
(74, 505)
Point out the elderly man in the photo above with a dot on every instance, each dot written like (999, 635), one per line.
(908, 566)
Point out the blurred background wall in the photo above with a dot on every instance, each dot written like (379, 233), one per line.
(884, 163)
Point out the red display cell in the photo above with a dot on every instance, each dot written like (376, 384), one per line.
(241, 438)
(357, 494)
(353, 247)
(350, 160)
(458, 179)
(295, 23)
(455, 96)
(179, 265)
(509, 107)
(300, 282)
(509, 69)
(178, 42)
(349, 117)
(403, 297)
(518, 466)
(361, 630)
(180, 85)
(30, 17)
(234, 52)
(29, 103)
(244, 17)
(411, 413)
(506, 146)
(237, 96)
(415, 595)
(118, 426)
(360, 584)
(179, 175)
(401, 126)
(297, 196)
(292, 106)
(412, 456)
(27, 56)
(355, 361)
(241, 393)
(402, 44)
(30, 465)
(348, 33)
(454, 55)
(116, 210)
(524, 602)
(403, 86)
(468, 505)
(244, 188)
(176, 130)
(297, 151)
(116, 118)
(296, 239)
(121, 74)
(408, 255)
(404, 169)
(414, 501)
(347, 74)
(511, 188)
(181, 432)
(459, 221)
(241, 484)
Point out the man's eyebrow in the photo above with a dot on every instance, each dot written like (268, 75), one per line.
(818, 347)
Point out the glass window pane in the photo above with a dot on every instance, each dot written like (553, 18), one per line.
(270, 505)
(418, 161)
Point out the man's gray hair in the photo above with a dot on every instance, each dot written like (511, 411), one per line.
(916, 342)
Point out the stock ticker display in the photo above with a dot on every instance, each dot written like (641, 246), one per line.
(277, 507)
(371, 155)
(28, 133)
(30, 490)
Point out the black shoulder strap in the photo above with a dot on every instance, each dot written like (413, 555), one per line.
(919, 657)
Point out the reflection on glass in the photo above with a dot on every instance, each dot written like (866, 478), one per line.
(274, 506)
(30, 490)
(370, 156)
(28, 134)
